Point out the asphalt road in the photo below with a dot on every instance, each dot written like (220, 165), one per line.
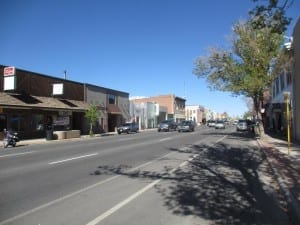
(204, 177)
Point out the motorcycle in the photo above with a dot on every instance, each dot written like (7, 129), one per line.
(10, 138)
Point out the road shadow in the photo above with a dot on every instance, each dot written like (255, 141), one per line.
(223, 184)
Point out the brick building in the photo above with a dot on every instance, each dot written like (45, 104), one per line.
(175, 105)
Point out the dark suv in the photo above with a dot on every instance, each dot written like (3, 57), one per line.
(128, 128)
(167, 125)
(186, 125)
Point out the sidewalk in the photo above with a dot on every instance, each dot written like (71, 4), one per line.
(286, 168)
(43, 140)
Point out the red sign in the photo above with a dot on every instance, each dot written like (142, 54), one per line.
(9, 71)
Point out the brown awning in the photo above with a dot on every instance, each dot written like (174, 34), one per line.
(29, 102)
(113, 109)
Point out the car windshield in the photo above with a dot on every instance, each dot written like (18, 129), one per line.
(126, 124)
(166, 121)
(185, 123)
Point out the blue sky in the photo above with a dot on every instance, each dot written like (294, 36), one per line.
(143, 47)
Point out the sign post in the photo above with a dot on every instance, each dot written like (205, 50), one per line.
(287, 100)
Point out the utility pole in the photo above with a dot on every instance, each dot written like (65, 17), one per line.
(65, 74)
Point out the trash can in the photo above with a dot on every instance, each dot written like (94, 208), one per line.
(49, 134)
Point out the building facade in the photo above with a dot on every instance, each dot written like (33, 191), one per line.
(175, 105)
(32, 102)
(146, 114)
(296, 82)
(286, 82)
(195, 113)
(276, 109)
(113, 106)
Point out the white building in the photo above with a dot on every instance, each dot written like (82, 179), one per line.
(147, 114)
(195, 113)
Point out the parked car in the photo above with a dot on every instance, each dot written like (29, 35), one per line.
(211, 123)
(186, 126)
(167, 125)
(220, 124)
(128, 128)
(242, 125)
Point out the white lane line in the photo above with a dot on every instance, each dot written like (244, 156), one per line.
(165, 139)
(221, 139)
(16, 154)
(57, 200)
(132, 197)
(70, 159)
(123, 203)
(76, 192)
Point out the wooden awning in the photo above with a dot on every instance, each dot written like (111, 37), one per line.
(114, 109)
(13, 100)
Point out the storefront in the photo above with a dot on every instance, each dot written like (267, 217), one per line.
(32, 119)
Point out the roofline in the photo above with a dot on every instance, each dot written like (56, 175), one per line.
(62, 79)
(108, 89)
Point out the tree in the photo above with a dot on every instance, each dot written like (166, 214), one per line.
(247, 115)
(272, 15)
(245, 68)
(92, 114)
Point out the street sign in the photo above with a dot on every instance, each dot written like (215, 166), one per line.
(9, 71)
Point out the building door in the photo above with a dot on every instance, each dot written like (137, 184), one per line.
(112, 122)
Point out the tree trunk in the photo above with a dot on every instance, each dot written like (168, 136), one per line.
(259, 131)
(91, 129)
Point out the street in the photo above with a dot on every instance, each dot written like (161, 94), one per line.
(204, 177)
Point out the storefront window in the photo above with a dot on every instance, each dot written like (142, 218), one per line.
(38, 122)
(17, 123)
(61, 122)
(3, 122)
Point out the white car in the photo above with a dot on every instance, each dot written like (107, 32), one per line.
(242, 125)
(211, 123)
(220, 124)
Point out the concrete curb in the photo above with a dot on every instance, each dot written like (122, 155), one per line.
(293, 206)
(82, 137)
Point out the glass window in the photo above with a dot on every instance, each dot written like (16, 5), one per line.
(3, 122)
(281, 81)
(288, 77)
(111, 99)
(17, 123)
(277, 86)
(38, 122)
